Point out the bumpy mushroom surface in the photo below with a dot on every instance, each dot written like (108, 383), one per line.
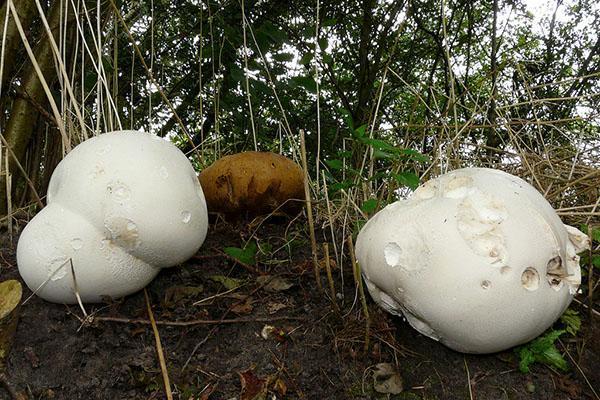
(121, 206)
(475, 258)
(252, 182)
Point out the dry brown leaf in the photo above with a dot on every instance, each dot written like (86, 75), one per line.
(280, 387)
(244, 307)
(175, 294)
(273, 283)
(387, 379)
(272, 307)
(253, 387)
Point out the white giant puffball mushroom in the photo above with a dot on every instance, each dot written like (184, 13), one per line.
(121, 206)
(475, 258)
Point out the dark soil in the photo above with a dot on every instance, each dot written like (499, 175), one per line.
(310, 351)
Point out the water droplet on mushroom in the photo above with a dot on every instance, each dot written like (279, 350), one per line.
(186, 216)
(163, 172)
(76, 243)
(530, 279)
(486, 284)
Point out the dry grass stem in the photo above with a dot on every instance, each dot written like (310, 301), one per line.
(159, 349)
(361, 292)
(311, 223)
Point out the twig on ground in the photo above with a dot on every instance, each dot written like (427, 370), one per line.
(579, 369)
(159, 349)
(195, 321)
(468, 378)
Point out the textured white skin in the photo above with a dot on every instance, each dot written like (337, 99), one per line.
(121, 206)
(453, 258)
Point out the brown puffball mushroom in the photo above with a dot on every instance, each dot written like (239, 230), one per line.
(252, 183)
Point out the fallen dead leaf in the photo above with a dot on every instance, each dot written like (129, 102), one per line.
(280, 387)
(244, 307)
(175, 294)
(253, 387)
(272, 307)
(229, 283)
(273, 283)
(387, 379)
(568, 386)
(332, 263)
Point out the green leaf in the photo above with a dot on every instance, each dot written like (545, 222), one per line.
(275, 34)
(329, 22)
(572, 321)
(107, 64)
(347, 115)
(596, 261)
(344, 154)
(283, 57)
(237, 74)
(369, 206)
(228, 283)
(323, 43)
(526, 358)
(335, 164)
(247, 255)
(307, 58)
(415, 155)
(595, 233)
(542, 350)
(341, 186)
(552, 357)
(307, 82)
(379, 144)
(409, 179)
(360, 132)
(382, 155)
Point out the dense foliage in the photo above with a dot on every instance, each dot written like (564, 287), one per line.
(453, 80)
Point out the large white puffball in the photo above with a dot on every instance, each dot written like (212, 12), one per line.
(121, 206)
(475, 258)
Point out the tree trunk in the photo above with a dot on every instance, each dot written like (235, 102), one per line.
(19, 129)
(27, 11)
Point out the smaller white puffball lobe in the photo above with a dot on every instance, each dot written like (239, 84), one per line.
(121, 206)
(475, 258)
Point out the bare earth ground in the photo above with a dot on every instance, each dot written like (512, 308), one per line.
(310, 353)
